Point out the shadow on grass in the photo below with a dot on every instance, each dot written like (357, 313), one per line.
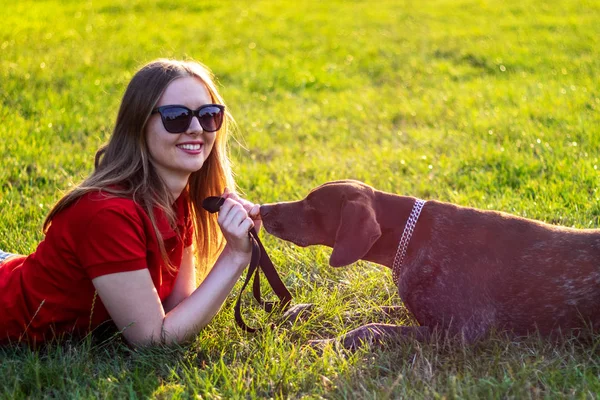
(499, 366)
(90, 368)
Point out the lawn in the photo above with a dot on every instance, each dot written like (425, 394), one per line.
(489, 104)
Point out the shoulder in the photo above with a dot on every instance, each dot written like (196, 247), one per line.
(104, 202)
(99, 200)
(102, 206)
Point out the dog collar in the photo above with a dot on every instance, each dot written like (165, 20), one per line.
(411, 222)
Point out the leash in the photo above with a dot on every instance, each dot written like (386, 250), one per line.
(259, 260)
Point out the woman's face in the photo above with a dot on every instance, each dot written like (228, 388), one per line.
(176, 155)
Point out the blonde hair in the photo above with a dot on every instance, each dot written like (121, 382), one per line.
(123, 167)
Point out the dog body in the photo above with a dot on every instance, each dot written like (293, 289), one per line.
(466, 271)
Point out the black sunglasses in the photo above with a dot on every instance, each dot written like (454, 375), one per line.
(177, 118)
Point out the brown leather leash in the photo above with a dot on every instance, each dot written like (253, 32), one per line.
(259, 260)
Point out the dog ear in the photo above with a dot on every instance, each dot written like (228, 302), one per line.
(357, 232)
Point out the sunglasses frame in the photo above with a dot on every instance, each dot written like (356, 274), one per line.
(194, 113)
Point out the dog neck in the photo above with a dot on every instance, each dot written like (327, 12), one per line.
(392, 212)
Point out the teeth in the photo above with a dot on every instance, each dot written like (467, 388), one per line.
(189, 146)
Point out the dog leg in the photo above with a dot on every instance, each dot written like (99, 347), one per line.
(374, 334)
(297, 312)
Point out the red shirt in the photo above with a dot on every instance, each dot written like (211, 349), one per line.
(50, 292)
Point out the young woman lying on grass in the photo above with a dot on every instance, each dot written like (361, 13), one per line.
(123, 245)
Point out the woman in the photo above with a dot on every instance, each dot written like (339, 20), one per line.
(122, 246)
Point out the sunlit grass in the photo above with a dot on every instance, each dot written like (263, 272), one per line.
(487, 104)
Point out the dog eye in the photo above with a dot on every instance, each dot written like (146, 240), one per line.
(309, 208)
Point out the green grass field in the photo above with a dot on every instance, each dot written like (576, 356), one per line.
(490, 104)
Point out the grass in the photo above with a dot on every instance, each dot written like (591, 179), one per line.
(486, 104)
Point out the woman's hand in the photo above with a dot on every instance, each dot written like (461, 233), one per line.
(252, 209)
(235, 225)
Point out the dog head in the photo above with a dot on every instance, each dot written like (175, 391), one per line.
(337, 214)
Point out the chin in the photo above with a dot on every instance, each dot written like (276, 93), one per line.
(193, 167)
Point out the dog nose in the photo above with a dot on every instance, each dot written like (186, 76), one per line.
(265, 209)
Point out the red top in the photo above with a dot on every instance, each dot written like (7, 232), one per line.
(50, 292)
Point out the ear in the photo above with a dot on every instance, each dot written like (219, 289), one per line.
(357, 232)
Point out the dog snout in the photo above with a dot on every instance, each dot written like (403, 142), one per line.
(265, 211)
(268, 216)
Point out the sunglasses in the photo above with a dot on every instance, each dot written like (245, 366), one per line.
(177, 118)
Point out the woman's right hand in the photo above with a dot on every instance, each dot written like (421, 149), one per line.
(235, 225)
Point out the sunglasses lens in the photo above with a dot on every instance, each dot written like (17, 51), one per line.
(211, 118)
(176, 119)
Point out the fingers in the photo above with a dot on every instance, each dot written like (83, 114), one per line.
(254, 212)
(234, 219)
(235, 225)
(246, 225)
(252, 209)
(234, 196)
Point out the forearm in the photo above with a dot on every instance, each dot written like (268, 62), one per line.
(185, 283)
(195, 312)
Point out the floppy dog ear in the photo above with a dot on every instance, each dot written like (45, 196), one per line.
(357, 232)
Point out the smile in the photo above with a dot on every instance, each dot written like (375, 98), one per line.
(191, 147)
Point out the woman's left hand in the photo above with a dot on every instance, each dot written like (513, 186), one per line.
(252, 209)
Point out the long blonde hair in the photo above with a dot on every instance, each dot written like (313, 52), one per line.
(123, 167)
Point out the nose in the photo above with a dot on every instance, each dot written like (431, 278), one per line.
(194, 127)
(264, 210)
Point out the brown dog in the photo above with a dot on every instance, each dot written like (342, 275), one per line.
(465, 271)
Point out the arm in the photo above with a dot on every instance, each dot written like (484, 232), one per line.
(132, 302)
(185, 284)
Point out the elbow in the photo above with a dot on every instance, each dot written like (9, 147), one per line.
(138, 336)
(173, 335)
(163, 332)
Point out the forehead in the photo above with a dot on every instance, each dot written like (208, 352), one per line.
(188, 91)
(325, 192)
(338, 190)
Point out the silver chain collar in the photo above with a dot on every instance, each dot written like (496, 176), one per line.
(405, 239)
